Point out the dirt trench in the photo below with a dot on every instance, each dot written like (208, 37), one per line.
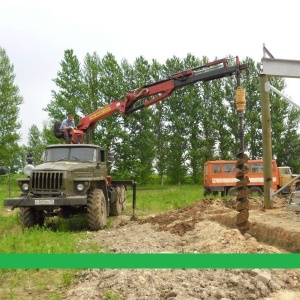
(207, 226)
(276, 227)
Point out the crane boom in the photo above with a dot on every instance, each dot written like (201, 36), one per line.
(156, 92)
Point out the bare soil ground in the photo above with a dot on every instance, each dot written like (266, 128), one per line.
(208, 226)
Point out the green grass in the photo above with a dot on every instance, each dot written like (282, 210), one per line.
(35, 284)
(163, 198)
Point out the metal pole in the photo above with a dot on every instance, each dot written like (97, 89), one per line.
(266, 141)
(9, 184)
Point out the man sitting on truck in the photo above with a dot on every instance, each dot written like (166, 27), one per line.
(66, 127)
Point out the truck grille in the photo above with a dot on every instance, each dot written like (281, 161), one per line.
(46, 181)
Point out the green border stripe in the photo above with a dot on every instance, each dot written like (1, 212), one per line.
(149, 261)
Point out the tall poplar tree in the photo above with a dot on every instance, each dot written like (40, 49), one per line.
(177, 149)
(285, 120)
(159, 128)
(104, 84)
(10, 101)
(36, 144)
(253, 127)
(141, 125)
(69, 91)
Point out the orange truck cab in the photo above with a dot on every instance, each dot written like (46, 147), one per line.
(220, 176)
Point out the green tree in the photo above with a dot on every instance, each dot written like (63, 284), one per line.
(253, 130)
(141, 126)
(285, 120)
(10, 101)
(70, 89)
(104, 84)
(176, 114)
(36, 144)
(158, 127)
(193, 114)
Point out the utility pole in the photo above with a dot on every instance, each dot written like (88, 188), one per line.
(275, 68)
(267, 141)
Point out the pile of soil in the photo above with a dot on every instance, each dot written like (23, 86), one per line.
(207, 226)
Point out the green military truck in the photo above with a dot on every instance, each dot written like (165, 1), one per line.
(71, 180)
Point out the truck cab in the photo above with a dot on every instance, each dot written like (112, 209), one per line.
(285, 176)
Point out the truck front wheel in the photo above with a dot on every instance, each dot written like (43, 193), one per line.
(31, 217)
(96, 210)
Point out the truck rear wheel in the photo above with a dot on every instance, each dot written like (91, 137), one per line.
(116, 207)
(96, 210)
(31, 217)
(206, 192)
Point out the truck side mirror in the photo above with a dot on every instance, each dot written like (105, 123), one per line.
(29, 158)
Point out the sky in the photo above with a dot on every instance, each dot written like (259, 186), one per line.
(36, 33)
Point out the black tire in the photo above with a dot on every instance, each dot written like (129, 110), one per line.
(232, 192)
(27, 217)
(206, 192)
(255, 191)
(96, 210)
(30, 217)
(116, 207)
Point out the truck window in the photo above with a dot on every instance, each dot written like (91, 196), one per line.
(102, 155)
(285, 171)
(257, 168)
(83, 154)
(217, 169)
(229, 168)
(56, 154)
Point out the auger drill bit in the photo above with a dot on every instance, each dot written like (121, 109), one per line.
(242, 196)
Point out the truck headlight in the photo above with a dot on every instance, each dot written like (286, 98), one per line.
(28, 170)
(80, 187)
(25, 187)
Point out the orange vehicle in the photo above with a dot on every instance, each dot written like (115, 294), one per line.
(220, 176)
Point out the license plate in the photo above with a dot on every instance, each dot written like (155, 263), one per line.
(44, 202)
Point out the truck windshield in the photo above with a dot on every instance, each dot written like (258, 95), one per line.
(82, 154)
(285, 170)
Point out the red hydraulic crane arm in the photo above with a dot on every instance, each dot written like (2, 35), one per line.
(161, 90)
(100, 114)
